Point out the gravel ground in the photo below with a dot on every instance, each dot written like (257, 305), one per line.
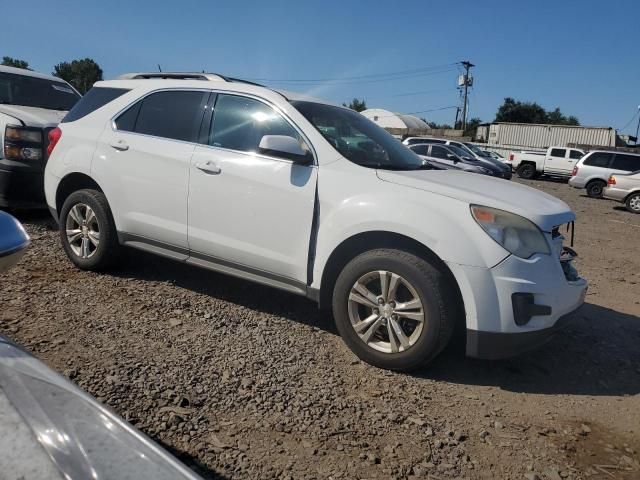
(242, 381)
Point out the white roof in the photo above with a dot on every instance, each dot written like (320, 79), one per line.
(387, 119)
(29, 73)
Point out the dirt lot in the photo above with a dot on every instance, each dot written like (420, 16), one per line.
(242, 381)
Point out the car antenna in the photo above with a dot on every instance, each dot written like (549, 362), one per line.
(159, 68)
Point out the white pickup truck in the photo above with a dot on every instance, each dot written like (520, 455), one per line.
(31, 105)
(556, 161)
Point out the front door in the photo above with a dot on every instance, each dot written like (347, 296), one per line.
(248, 210)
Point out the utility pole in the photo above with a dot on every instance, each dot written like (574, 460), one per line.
(467, 81)
(638, 127)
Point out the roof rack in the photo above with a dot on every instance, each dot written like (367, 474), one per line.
(216, 77)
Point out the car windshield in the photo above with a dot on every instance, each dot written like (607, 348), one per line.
(460, 152)
(36, 92)
(475, 149)
(357, 138)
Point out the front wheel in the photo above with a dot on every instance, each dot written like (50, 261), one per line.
(633, 203)
(393, 309)
(87, 230)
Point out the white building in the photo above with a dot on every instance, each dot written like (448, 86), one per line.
(387, 119)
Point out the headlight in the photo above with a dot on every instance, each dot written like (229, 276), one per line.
(22, 134)
(22, 143)
(516, 234)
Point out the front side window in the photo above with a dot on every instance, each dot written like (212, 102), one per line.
(627, 163)
(598, 159)
(575, 154)
(172, 114)
(420, 149)
(357, 138)
(31, 91)
(558, 152)
(439, 152)
(239, 123)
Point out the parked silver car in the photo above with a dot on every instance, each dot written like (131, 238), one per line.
(53, 430)
(594, 169)
(625, 189)
(455, 158)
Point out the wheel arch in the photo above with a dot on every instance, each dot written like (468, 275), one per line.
(71, 183)
(365, 241)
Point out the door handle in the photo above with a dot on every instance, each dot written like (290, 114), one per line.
(209, 167)
(120, 145)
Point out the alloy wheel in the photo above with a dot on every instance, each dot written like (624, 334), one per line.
(83, 230)
(634, 203)
(386, 312)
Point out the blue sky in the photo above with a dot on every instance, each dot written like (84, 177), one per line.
(578, 55)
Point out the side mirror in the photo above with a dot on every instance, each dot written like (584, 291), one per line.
(13, 241)
(284, 146)
(451, 156)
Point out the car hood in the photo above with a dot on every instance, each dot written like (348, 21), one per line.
(34, 116)
(542, 209)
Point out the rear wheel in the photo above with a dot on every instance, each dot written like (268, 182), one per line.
(87, 231)
(596, 188)
(526, 171)
(393, 309)
(633, 202)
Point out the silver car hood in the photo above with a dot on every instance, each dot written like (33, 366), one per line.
(81, 437)
(544, 210)
(34, 116)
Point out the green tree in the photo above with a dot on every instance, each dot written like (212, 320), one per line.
(439, 126)
(357, 105)
(14, 62)
(514, 111)
(82, 74)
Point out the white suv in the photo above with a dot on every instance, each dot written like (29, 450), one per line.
(316, 200)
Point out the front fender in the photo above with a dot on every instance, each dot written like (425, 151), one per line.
(442, 224)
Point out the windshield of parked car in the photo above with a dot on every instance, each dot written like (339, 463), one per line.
(475, 149)
(460, 152)
(30, 91)
(357, 138)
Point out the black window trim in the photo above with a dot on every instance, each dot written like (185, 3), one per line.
(208, 118)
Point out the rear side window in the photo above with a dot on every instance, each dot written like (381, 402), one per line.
(421, 149)
(575, 154)
(627, 163)
(598, 159)
(558, 152)
(174, 114)
(94, 99)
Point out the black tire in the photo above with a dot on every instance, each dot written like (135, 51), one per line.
(106, 254)
(595, 188)
(526, 171)
(633, 203)
(433, 290)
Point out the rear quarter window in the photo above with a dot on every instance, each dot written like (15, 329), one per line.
(627, 163)
(95, 98)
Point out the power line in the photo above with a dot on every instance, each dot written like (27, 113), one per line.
(630, 121)
(409, 94)
(359, 77)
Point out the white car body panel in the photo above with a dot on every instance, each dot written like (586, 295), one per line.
(272, 196)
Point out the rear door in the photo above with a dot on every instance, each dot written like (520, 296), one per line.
(555, 161)
(142, 162)
(573, 156)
